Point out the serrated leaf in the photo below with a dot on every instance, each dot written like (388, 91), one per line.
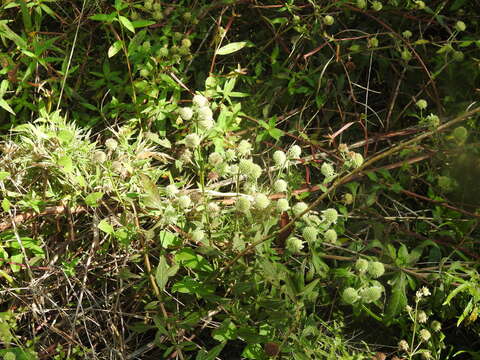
(125, 22)
(115, 48)
(93, 198)
(106, 227)
(231, 48)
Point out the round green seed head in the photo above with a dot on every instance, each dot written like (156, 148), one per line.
(309, 233)
(294, 245)
(280, 185)
(279, 158)
(243, 204)
(261, 201)
(361, 265)
(282, 205)
(328, 20)
(377, 5)
(422, 104)
(330, 236)
(350, 295)
(327, 169)
(330, 216)
(299, 208)
(294, 152)
(371, 294)
(376, 269)
(185, 113)
(184, 201)
(460, 26)
(460, 134)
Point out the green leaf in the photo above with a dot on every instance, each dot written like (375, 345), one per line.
(104, 17)
(106, 227)
(66, 163)
(4, 175)
(125, 22)
(6, 205)
(19, 353)
(231, 48)
(115, 48)
(93, 198)
(142, 23)
(212, 354)
(398, 299)
(6, 107)
(164, 272)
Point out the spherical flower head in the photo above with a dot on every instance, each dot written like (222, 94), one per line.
(213, 208)
(423, 292)
(330, 216)
(309, 233)
(375, 269)
(371, 294)
(377, 5)
(407, 34)
(186, 43)
(330, 236)
(261, 201)
(230, 155)
(279, 158)
(422, 104)
(250, 187)
(458, 55)
(422, 317)
(250, 169)
(206, 124)
(357, 160)
(294, 152)
(200, 101)
(361, 265)
(420, 4)
(192, 141)
(373, 42)
(406, 55)
(99, 157)
(111, 144)
(426, 354)
(242, 204)
(215, 159)
(198, 235)
(299, 208)
(204, 113)
(327, 170)
(460, 26)
(282, 205)
(244, 148)
(328, 20)
(162, 52)
(186, 156)
(184, 201)
(350, 295)
(343, 148)
(185, 113)
(403, 345)
(280, 185)
(433, 121)
(436, 325)
(425, 335)
(171, 190)
(361, 4)
(348, 199)
(294, 245)
(460, 134)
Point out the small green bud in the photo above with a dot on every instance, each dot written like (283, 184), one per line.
(280, 185)
(186, 43)
(350, 295)
(250, 169)
(99, 156)
(177, 36)
(436, 325)
(187, 16)
(407, 34)
(328, 20)
(376, 269)
(458, 55)
(377, 5)
(406, 56)
(361, 4)
(373, 42)
(162, 52)
(361, 265)
(460, 26)
(403, 345)
(422, 104)
(309, 233)
(348, 199)
(420, 4)
(356, 160)
(433, 121)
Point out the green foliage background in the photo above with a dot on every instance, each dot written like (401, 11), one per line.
(367, 110)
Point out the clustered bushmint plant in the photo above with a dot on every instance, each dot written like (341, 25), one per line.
(367, 288)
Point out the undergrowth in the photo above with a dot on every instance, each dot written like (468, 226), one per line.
(239, 180)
